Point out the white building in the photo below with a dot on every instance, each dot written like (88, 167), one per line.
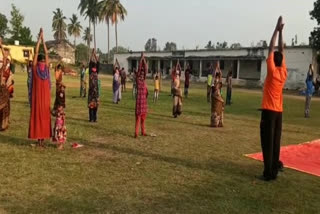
(248, 64)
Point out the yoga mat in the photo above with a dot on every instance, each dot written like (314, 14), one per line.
(303, 157)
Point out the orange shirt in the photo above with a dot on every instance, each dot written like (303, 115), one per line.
(273, 85)
(58, 75)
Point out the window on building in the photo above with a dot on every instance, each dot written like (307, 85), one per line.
(259, 66)
(222, 64)
(26, 53)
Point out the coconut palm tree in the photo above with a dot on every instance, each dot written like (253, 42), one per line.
(90, 9)
(58, 25)
(118, 13)
(105, 15)
(87, 37)
(74, 28)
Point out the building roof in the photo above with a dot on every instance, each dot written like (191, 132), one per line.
(53, 43)
(212, 50)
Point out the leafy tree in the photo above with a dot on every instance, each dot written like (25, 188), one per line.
(26, 36)
(74, 28)
(82, 54)
(264, 44)
(210, 45)
(120, 50)
(151, 45)
(314, 38)
(223, 45)
(18, 31)
(3, 25)
(59, 25)
(235, 45)
(170, 46)
(16, 23)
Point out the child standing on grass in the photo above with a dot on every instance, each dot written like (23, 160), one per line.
(141, 99)
(156, 89)
(60, 129)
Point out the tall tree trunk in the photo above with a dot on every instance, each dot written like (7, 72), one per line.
(89, 41)
(75, 49)
(108, 25)
(94, 35)
(116, 28)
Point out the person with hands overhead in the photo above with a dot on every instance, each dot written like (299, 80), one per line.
(272, 105)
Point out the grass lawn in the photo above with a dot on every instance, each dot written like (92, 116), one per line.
(188, 168)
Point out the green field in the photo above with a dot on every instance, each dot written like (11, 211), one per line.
(188, 168)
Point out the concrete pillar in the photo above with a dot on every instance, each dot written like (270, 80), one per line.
(200, 71)
(238, 69)
(171, 64)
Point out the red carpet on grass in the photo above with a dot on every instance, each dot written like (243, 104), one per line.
(303, 157)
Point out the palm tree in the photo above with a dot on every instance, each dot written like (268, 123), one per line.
(74, 28)
(117, 11)
(90, 9)
(58, 25)
(105, 15)
(87, 37)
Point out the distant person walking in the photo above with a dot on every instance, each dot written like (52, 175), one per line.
(29, 80)
(116, 86)
(229, 88)
(156, 88)
(187, 74)
(83, 83)
(209, 83)
(134, 83)
(123, 74)
(272, 105)
(309, 91)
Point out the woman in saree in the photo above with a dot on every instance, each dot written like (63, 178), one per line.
(93, 94)
(217, 102)
(40, 115)
(4, 92)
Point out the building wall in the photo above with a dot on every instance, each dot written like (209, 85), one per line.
(17, 53)
(249, 70)
(65, 51)
(298, 61)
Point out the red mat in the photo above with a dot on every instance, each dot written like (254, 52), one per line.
(303, 157)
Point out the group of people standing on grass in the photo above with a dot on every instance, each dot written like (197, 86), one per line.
(39, 87)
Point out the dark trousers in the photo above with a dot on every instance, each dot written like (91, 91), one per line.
(228, 99)
(93, 114)
(270, 134)
(208, 93)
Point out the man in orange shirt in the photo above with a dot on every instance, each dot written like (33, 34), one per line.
(272, 105)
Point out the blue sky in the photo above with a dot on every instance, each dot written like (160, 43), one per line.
(189, 23)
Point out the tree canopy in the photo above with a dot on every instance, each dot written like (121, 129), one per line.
(3, 25)
(151, 45)
(170, 46)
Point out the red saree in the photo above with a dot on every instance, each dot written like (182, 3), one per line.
(40, 117)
